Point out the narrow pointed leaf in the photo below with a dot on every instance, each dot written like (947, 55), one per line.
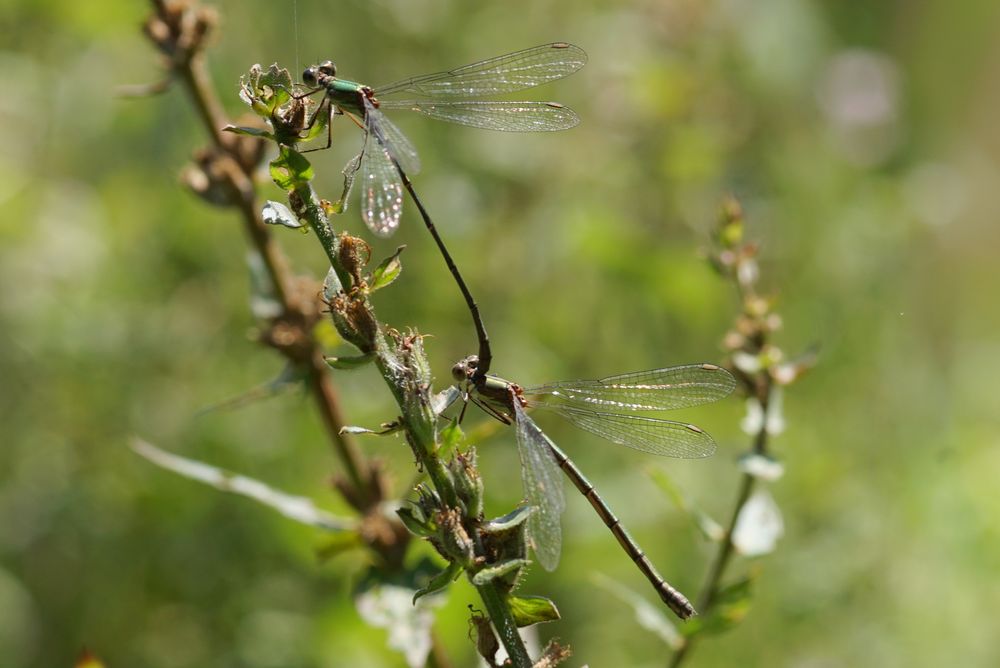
(439, 581)
(248, 131)
(490, 573)
(297, 508)
(649, 616)
(349, 361)
(338, 544)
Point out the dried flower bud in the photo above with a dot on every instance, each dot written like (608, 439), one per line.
(468, 483)
(453, 538)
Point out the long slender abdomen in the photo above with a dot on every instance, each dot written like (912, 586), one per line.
(675, 600)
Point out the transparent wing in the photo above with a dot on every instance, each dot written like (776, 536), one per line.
(542, 487)
(508, 116)
(658, 389)
(495, 76)
(392, 139)
(381, 187)
(657, 437)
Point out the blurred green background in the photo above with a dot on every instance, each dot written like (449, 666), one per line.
(862, 140)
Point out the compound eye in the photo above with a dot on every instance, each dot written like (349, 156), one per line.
(458, 372)
(309, 76)
(327, 67)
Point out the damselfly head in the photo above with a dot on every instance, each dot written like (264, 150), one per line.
(314, 73)
(465, 369)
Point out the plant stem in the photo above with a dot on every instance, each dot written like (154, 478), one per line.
(726, 550)
(190, 70)
(751, 336)
(503, 622)
(418, 419)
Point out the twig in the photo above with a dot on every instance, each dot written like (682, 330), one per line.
(403, 366)
(179, 29)
(750, 339)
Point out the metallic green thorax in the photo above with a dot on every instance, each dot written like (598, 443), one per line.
(348, 95)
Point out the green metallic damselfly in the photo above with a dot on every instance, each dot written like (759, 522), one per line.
(387, 156)
(610, 408)
(451, 96)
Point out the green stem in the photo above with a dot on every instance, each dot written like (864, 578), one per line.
(418, 419)
(503, 622)
(320, 225)
(724, 555)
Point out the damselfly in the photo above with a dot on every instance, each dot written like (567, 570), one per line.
(609, 408)
(448, 96)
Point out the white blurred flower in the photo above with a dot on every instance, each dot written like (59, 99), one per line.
(755, 420)
(759, 525)
(775, 412)
(746, 362)
(764, 467)
(391, 607)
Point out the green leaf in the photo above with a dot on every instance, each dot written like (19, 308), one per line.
(669, 487)
(706, 526)
(266, 91)
(290, 378)
(511, 520)
(248, 131)
(729, 607)
(291, 170)
(504, 568)
(647, 615)
(530, 610)
(451, 436)
(349, 361)
(439, 581)
(318, 126)
(276, 213)
(387, 428)
(387, 271)
(339, 544)
(413, 518)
